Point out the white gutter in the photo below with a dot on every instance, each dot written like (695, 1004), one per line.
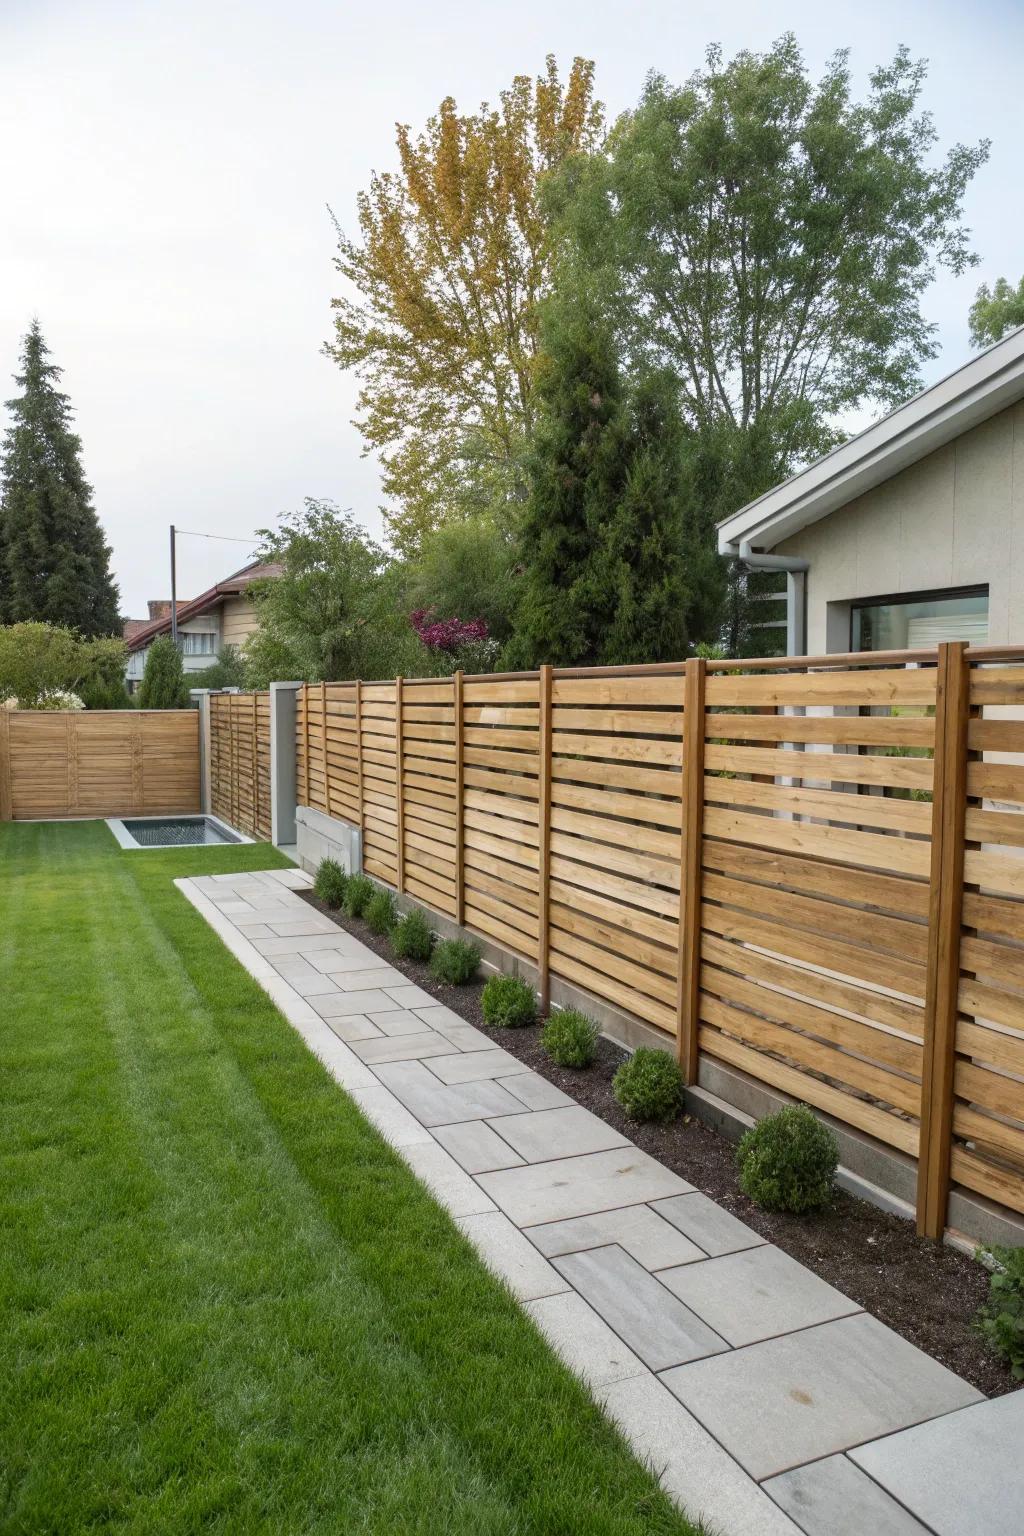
(796, 587)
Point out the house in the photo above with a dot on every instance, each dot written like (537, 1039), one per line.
(223, 615)
(913, 531)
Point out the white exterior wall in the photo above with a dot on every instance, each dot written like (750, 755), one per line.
(955, 519)
(207, 623)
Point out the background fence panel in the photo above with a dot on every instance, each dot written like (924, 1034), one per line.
(240, 761)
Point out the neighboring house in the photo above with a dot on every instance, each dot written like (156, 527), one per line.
(913, 531)
(223, 615)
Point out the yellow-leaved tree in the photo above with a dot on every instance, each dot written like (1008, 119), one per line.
(439, 319)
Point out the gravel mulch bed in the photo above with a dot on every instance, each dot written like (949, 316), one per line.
(926, 1291)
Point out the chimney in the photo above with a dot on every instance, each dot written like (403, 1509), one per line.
(160, 607)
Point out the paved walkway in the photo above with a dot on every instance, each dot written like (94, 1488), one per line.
(767, 1401)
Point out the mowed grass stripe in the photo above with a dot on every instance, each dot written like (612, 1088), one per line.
(227, 1304)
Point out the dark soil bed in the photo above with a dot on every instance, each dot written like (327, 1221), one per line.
(927, 1292)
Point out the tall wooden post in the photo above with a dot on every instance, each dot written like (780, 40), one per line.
(692, 832)
(305, 745)
(949, 809)
(323, 747)
(460, 884)
(255, 765)
(6, 788)
(544, 839)
(359, 755)
(234, 758)
(399, 789)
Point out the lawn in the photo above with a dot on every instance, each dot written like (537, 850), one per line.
(225, 1304)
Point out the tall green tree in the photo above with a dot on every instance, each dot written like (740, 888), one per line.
(768, 239)
(603, 576)
(995, 311)
(54, 560)
(163, 683)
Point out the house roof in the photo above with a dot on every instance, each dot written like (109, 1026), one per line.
(984, 386)
(231, 586)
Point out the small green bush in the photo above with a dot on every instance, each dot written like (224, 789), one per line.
(788, 1161)
(380, 913)
(455, 961)
(330, 883)
(508, 1003)
(358, 895)
(649, 1086)
(1000, 1320)
(412, 938)
(570, 1038)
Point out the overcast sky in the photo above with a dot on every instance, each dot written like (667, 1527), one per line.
(166, 170)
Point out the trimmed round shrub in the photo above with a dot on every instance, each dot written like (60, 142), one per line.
(1001, 1318)
(358, 895)
(380, 913)
(412, 938)
(649, 1086)
(788, 1161)
(455, 961)
(330, 883)
(508, 1002)
(570, 1038)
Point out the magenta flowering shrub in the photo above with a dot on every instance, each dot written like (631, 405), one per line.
(455, 643)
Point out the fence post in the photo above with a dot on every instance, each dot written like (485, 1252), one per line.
(283, 763)
(305, 745)
(544, 839)
(6, 793)
(323, 746)
(460, 893)
(945, 906)
(204, 709)
(234, 758)
(399, 791)
(359, 762)
(255, 765)
(691, 834)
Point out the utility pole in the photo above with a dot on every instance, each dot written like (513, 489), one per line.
(174, 591)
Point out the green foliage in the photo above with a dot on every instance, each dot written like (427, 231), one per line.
(54, 560)
(336, 611)
(995, 311)
(1000, 1319)
(39, 660)
(330, 883)
(358, 895)
(465, 570)
(508, 1002)
(788, 1161)
(163, 683)
(228, 671)
(455, 961)
(412, 938)
(649, 1086)
(380, 913)
(603, 579)
(570, 1038)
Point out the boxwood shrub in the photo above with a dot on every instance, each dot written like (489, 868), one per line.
(330, 883)
(455, 961)
(509, 1002)
(412, 938)
(649, 1086)
(788, 1161)
(570, 1038)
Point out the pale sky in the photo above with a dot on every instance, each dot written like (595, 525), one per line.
(166, 170)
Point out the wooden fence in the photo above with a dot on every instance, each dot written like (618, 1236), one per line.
(810, 871)
(66, 763)
(240, 761)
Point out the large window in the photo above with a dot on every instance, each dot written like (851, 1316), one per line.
(198, 642)
(917, 621)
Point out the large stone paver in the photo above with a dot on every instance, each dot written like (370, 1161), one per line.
(476, 1147)
(653, 1323)
(435, 1103)
(512, 1257)
(755, 1294)
(537, 1093)
(468, 1066)
(399, 1047)
(636, 1228)
(834, 1498)
(713, 1229)
(576, 1186)
(963, 1474)
(548, 1133)
(792, 1399)
(584, 1340)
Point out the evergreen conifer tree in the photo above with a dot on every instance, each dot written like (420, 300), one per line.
(54, 560)
(163, 683)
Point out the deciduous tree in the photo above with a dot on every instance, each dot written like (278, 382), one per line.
(995, 311)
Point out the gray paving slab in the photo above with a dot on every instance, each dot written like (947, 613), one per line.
(408, 996)
(547, 1133)
(296, 944)
(447, 1182)
(392, 1119)
(577, 1186)
(638, 1229)
(476, 1147)
(657, 1327)
(963, 1475)
(510, 1256)
(691, 1466)
(584, 1340)
(834, 1498)
(373, 976)
(537, 1093)
(437, 1103)
(397, 1021)
(805, 1395)
(254, 930)
(401, 1048)
(715, 1230)
(473, 1066)
(314, 986)
(337, 960)
(439, 1017)
(463, 1037)
(756, 1294)
(353, 1026)
(299, 927)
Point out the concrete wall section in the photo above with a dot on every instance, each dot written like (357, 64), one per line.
(326, 837)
